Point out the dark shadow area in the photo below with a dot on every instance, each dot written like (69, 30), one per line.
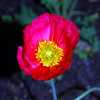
(10, 39)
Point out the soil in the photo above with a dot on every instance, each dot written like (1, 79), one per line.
(83, 74)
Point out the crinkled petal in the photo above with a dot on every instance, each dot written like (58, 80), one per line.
(30, 56)
(54, 73)
(39, 71)
(60, 26)
(72, 33)
(23, 64)
(57, 27)
(38, 30)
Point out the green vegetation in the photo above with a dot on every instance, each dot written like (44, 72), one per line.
(88, 43)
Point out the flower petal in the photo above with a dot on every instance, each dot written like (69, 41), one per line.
(30, 56)
(23, 64)
(54, 73)
(72, 33)
(57, 27)
(38, 30)
(60, 26)
(39, 71)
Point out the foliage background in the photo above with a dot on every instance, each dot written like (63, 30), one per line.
(84, 72)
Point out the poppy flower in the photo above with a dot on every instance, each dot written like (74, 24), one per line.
(49, 42)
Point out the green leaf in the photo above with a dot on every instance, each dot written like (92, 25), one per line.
(26, 16)
(81, 54)
(22, 72)
(88, 33)
(78, 13)
(96, 44)
(86, 20)
(83, 49)
(53, 5)
(65, 6)
(92, 18)
(59, 78)
(80, 22)
(7, 19)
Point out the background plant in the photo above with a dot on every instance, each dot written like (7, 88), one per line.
(88, 43)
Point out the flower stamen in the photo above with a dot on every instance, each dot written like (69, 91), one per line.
(48, 53)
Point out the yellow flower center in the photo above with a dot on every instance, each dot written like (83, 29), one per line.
(48, 53)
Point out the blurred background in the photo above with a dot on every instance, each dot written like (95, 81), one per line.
(85, 69)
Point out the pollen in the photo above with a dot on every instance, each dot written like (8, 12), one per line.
(48, 53)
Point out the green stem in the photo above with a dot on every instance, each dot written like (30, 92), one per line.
(53, 89)
(71, 9)
(87, 92)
